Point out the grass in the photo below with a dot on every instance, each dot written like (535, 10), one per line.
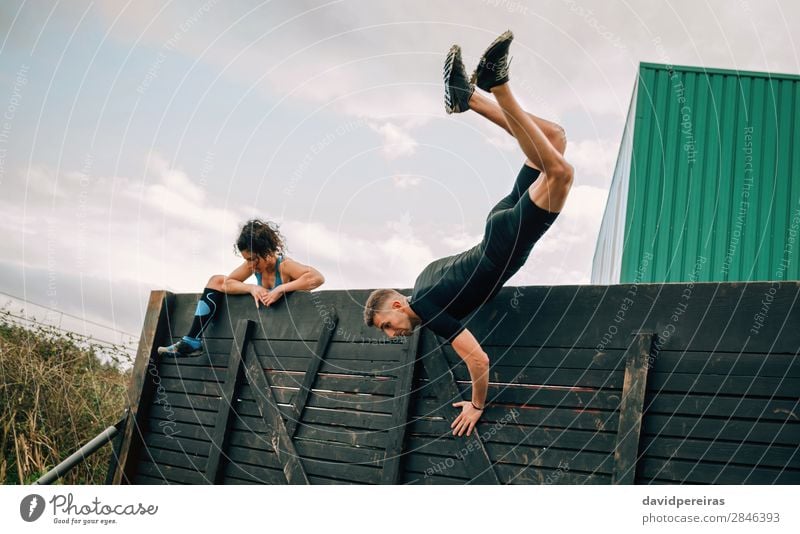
(57, 391)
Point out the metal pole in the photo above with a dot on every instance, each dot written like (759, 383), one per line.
(81, 454)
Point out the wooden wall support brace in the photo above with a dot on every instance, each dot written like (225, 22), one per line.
(631, 408)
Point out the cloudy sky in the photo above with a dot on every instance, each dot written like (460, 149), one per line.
(137, 136)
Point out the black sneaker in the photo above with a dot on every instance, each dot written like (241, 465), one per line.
(492, 69)
(181, 349)
(457, 87)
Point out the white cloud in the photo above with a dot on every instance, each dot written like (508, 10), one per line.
(500, 139)
(460, 240)
(593, 159)
(406, 181)
(163, 234)
(173, 194)
(397, 141)
(353, 261)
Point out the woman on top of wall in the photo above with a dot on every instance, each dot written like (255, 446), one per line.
(262, 247)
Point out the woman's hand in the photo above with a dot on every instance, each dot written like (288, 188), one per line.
(467, 419)
(274, 295)
(260, 294)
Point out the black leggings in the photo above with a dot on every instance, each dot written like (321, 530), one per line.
(514, 225)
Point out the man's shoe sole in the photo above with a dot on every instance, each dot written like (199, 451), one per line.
(450, 101)
(507, 35)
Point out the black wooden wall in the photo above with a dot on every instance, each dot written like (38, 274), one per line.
(647, 384)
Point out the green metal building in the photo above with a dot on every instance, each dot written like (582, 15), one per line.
(707, 181)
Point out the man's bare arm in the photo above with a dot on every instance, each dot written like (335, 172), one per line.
(469, 350)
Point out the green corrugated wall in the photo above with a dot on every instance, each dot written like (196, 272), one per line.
(714, 190)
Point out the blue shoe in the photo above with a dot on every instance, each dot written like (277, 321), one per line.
(181, 349)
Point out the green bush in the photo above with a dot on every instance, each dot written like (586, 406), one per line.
(57, 391)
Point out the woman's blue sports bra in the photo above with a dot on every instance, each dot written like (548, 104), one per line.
(278, 280)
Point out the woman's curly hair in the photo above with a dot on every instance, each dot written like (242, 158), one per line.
(261, 238)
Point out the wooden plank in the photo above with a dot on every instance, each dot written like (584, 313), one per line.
(551, 457)
(768, 432)
(431, 466)
(327, 328)
(249, 414)
(549, 357)
(177, 371)
(767, 455)
(177, 443)
(362, 402)
(243, 434)
(681, 471)
(421, 478)
(191, 402)
(537, 395)
(271, 415)
(331, 481)
(544, 456)
(720, 384)
(250, 439)
(343, 471)
(334, 382)
(730, 363)
(177, 429)
(254, 457)
(283, 348)
(337, 434)
(605, 379)
(192, 462)
(479, 465)
(336, 452)
(533, 475)
(239, 472)
(191, 387)
(364, 368)
(141, 387)
(719, 406)
(402, 396)
(572, 418)
(538, 436)
(322, 459)
(724, 312)
(171, 474)
(183, 415)
(226, 404)
(631, 408)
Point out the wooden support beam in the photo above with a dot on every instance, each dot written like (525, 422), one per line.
(116, 446)
(631, 407)
(326, 333)
(241, 338)
(477, 462)
(140, 390)
(268, 409)
(402, 396)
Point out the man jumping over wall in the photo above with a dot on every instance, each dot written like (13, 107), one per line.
(449, 289)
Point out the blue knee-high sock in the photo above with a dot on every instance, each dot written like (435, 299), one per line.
(204, 313)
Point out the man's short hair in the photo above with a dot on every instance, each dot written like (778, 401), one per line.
(376, 301)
